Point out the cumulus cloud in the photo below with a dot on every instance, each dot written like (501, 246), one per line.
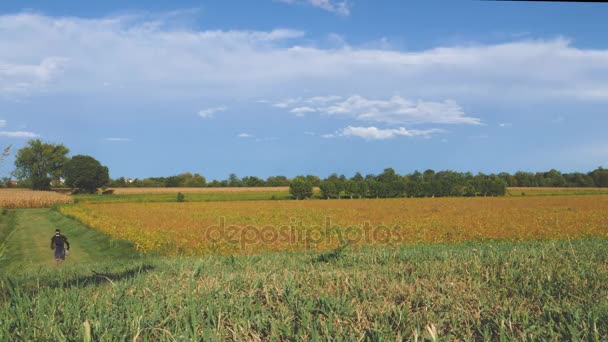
(374, 133)
(398, 110)
(18, 134)
(338, 7)
(395, 110)
(316, 100)
(210, 112)
(134, 58)
(245, 136)
(301, 111)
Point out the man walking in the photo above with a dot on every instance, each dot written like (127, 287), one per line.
(58, 243)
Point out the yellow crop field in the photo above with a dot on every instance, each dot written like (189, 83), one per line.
(22, 198)
(266, 226)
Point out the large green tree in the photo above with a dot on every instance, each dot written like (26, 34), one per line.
(300, 188)
(86, 174)
(40, 163)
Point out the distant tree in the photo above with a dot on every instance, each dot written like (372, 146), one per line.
(214, 184)
(508, 178)
(358, 188)
(234, 181)
(189, 180)
(300, 188)
(339, 183)
(391, 185)
(118, 183)
(39, 163)
(253, 181)
(329, 189)
(86, 174)
(375, 188)
(600, 177)
(350, 188)
(579, 180)
(315, 181)
(525, 179)
(277, 181)
(553, 178)
(172, 182)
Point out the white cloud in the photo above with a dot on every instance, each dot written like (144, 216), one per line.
(395, 110)
(301, 111)
(210, 112)
(118, 139)
(286, 103)
(398, 110)
(138, 58)
(320, 100)
(19, 79)
(505, 124)
(245, 135)
(18, 134)
(338, 7)
(374, 133)
(2, 123)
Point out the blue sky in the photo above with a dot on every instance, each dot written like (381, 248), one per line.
(267, 87)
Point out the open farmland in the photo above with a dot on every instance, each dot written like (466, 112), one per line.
(21, 198)
(250, 227)
(548, 191)
(139, 191)
(211, 196)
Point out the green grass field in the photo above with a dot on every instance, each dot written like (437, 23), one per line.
(190, 197)
(26, 235)
(482, 291)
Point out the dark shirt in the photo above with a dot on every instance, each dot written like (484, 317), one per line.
(56, 241)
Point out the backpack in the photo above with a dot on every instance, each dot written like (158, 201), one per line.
(59, 241)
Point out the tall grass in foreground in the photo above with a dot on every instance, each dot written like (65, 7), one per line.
(494, 291)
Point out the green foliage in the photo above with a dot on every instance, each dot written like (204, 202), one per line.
(329, 189)
(86, 174)
(600, 177)
(472, 292)
(181, 197)
(300, 188)
(335, 254)
(41, 163)
(184, 180)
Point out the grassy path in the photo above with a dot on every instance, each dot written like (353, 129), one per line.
(26, 235)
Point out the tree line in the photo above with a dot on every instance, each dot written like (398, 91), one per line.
(429, 183)
(41, 166)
